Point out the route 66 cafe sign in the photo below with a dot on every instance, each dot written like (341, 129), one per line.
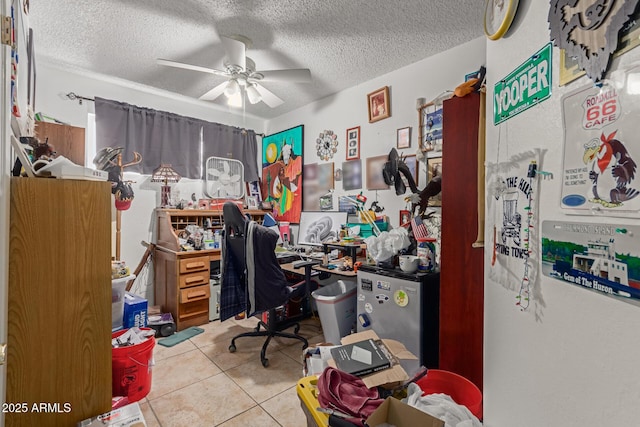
(524, 87)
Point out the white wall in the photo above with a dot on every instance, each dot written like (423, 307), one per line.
(576, 363)
(427, 78)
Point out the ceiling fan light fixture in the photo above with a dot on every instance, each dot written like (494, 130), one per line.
(232, 88)
(235, 100)
(253, 94)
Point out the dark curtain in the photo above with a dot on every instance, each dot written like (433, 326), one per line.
(232, 143)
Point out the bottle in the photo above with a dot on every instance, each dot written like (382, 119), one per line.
(427, 253)
(216, 240)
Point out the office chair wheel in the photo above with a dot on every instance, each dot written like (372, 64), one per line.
(232, 348)
(265, 362)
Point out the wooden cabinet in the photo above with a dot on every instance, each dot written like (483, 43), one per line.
(182, 277)
(59, 300)
(68, 141)
(462, 266)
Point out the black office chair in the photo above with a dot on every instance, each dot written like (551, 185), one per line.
(253, 282)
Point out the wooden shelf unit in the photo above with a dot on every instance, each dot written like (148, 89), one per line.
(182, 277)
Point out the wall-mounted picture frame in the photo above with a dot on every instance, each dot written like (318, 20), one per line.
(403, 139)
(430, 128)
(353, 143)
(412, 163)
(352, 175)
(405, 217)
(252, 202)
(434, 168)
(379, 105)
(375, 179)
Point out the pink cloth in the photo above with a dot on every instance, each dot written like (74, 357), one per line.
(347, 393)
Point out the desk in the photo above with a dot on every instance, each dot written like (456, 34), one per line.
(347, 273)
(351, 249)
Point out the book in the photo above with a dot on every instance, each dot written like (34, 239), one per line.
(362, 357)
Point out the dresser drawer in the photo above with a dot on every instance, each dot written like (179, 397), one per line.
(194, 264)
(193, 309)
(194, 279)
(194, 294)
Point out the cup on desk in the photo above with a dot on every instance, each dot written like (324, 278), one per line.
(285, 231)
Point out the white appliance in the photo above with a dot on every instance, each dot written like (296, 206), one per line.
(214, 299)
(403, 307)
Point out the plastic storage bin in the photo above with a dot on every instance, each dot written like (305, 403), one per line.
(460, 389)
(336, 304)
(308, 394)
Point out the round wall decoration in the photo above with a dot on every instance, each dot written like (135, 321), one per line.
(498, 16)
(327, 145)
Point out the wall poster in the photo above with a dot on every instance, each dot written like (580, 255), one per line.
(601, 149)
(282, 173)
(512, 215)
(604, 258)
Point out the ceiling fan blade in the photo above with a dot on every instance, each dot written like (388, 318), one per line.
(235, 52)
(268, 97)
(215, 92)
(191, 67)
(298, 75)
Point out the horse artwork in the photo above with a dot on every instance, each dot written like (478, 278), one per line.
(392, 171)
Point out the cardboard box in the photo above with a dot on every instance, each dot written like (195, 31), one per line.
(135, 311)
(126, 416)
(394, 412)
(387, 378)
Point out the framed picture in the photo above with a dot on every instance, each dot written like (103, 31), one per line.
(319, 227)
(405, 217)
(252, 202)
(352, 175)
(353, 143)
(375, 180)
(412, 163)
(379, 105)
(282, 173)
(434, 168)
(430, 128)
(404, 137)
(253, 189)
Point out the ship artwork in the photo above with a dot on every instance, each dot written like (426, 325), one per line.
(601, 257)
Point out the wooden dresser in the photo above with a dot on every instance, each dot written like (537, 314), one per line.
(59, 300)
(182, 277)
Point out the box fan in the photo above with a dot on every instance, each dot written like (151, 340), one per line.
(224, 181)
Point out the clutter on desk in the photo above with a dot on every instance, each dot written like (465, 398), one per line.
(388, 244)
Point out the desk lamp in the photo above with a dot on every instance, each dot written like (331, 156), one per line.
(165, 174)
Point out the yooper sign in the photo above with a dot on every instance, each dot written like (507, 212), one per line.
(524, 87)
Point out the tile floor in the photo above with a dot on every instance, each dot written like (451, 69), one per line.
(200, 383)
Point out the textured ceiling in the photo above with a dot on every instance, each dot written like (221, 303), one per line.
(342, 42)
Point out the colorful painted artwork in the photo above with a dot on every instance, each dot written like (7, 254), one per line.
(282, 173)
(601, 257)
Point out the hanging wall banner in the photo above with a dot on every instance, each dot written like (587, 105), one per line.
(524, 87)
(604, 258)
(512, 207)
(601, 147)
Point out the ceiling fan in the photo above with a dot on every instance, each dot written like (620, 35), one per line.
(241, 73)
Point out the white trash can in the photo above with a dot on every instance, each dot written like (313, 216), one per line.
(336, 304)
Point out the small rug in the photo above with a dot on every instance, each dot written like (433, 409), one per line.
(178, 337)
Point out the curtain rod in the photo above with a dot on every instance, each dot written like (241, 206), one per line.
(72, 96)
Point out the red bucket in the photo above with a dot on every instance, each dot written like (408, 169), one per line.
(131, 369)
(461, 390)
